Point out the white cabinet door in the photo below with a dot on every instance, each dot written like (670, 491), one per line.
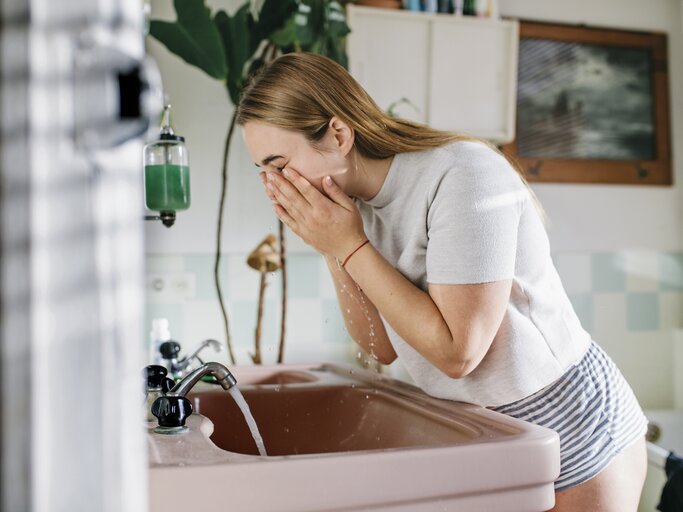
(459, 72)
(388, 55)
(473, 77)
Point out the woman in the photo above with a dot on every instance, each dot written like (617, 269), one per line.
(439, 257)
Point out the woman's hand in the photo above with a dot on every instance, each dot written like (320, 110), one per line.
(331, 225)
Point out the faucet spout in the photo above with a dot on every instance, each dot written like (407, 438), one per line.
(220, 372)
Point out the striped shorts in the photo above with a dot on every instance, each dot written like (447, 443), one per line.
(594, 411)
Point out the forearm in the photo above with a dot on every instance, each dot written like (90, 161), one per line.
(410, 311)
(361, 317)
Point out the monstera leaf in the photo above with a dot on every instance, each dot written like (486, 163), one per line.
(193, 37)
(227, 47)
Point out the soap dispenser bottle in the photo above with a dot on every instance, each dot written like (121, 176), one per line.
(167, 173)
(159, 334)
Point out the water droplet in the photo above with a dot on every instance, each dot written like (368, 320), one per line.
(348, 310)
(286, 429)
(353, 385)
(367, 396)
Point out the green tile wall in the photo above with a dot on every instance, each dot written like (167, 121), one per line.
(606, 273)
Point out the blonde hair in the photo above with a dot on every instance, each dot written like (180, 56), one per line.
(303, 91)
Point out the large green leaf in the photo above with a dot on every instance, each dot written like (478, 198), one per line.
(193, 37)
(285, 37)
(274, 15)
(310, 20)
(236, 36)
(321, 28)
(225, 47)
(337, 27)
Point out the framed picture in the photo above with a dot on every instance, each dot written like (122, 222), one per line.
(592, 105)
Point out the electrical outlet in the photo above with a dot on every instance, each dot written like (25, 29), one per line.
(170, 286)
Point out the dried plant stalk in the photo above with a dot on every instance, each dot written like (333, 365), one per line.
(283, 271)
(256, 356)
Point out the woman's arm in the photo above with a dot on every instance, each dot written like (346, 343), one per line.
(452, 326)
(362, 320)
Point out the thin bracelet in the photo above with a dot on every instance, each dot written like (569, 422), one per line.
(354, 252)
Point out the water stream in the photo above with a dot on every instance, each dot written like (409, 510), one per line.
(244, 407)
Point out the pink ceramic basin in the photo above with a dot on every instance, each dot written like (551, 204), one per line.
(330, 419)
(346, 439)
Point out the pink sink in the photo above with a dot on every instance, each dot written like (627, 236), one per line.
(346, 439)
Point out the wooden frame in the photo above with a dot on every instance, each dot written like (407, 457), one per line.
(616, 132)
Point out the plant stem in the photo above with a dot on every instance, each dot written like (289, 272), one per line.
(256, 357)
(283, 272)
(216, 267)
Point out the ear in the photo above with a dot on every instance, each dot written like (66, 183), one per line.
(343, 134)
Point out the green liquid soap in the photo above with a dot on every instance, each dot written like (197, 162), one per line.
(167, 187)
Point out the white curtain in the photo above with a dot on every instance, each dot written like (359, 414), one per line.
(71, 292)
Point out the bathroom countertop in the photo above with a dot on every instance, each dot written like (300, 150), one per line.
(190, 447)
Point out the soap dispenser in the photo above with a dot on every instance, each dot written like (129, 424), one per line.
(167, 173)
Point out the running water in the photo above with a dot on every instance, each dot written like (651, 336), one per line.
(244, 407)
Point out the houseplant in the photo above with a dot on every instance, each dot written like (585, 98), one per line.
(231, 48)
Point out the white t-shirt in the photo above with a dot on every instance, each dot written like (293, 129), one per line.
(461, 214)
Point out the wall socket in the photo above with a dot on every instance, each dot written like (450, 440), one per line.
(162, 287)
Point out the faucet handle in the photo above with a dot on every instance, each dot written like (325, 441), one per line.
(167, 385)
(172, 411)
(169, 349)
(155, 375)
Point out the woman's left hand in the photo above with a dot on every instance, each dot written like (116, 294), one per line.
(331, 225)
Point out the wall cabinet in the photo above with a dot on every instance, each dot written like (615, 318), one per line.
(459, 72)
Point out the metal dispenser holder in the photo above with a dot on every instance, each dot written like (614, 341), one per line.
(167, 173)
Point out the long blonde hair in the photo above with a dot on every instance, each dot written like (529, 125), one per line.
(303, 91)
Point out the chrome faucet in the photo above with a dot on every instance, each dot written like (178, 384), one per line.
(177, 367)
(173, 408)
(220, 372)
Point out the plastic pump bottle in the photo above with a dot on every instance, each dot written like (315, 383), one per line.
(159, 334)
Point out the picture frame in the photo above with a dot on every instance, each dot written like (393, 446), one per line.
(592, 106)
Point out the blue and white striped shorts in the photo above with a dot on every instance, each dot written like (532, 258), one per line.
(594, 411)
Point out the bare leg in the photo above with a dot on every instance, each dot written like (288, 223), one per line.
(617, 488)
